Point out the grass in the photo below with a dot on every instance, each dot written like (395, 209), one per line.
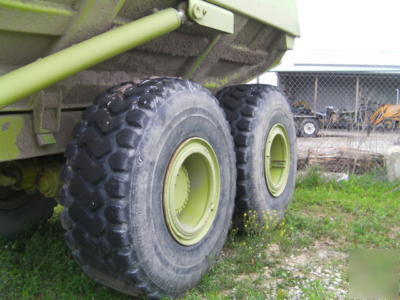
(305, 256)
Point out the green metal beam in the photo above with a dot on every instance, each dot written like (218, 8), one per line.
(27, 21)
(38, 6)
(86, 21)
(56, 67)
(200, 59)
(209, 15)
(281, 14)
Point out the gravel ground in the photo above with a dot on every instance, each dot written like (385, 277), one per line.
(376, 142)
(319, 264)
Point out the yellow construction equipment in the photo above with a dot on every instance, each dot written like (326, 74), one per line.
(386, 116)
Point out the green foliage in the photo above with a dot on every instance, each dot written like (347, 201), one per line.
(311, 178)
(316, 291)
(360, 213)
(41, 267)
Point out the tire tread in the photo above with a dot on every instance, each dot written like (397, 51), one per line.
(241, 102)
(97, 169)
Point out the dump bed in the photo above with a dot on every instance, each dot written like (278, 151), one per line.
(39, 108)
(29, 30)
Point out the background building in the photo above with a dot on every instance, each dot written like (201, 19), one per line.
(337, 86)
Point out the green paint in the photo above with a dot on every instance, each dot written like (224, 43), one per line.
(49, 181)
(220, 82)
(87, 20)
(290, 40)
(46, 139)
(56, 67)
(120, 21)
(281, 14)
(212, 85)
(118, 7)
(6, 180)
(43, 175)
(84, 14)
(37, 6)
(212, 16)
(10, 129)
(192, 191)
(202, 57)
(277, 159)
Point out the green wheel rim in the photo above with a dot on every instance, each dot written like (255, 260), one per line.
(277, 160)
(191, 191)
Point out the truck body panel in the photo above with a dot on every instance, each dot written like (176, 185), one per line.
(31, 30)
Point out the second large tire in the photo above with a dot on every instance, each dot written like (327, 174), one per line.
(127, 223)
(258, 114)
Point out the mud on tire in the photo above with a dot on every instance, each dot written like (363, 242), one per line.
(113, 186)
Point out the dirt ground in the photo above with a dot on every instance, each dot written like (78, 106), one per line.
(375, 142)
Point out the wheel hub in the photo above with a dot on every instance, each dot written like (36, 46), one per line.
(182, 190)
(309, 128)
(191, 191)
(277, 159)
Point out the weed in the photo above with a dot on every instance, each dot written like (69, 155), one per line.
(274, 259)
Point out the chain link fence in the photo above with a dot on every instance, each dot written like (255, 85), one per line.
(357, 113)
(348, 101)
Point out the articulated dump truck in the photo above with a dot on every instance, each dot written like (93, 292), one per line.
(133, 115)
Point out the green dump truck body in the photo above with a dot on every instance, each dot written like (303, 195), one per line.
(31, 30)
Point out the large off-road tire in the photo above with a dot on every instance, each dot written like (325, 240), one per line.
(21, 213)
(265, 144)
(309, 128)
(149, 187)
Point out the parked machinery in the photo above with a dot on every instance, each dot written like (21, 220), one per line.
(335, 118)
(307, 123)
(386, 117)
(373, 116)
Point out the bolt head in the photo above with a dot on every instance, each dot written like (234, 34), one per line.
(197, 12)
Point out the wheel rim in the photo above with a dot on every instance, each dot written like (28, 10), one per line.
(309, 128)
(388, 124)
(277, 159)
(191, 191)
